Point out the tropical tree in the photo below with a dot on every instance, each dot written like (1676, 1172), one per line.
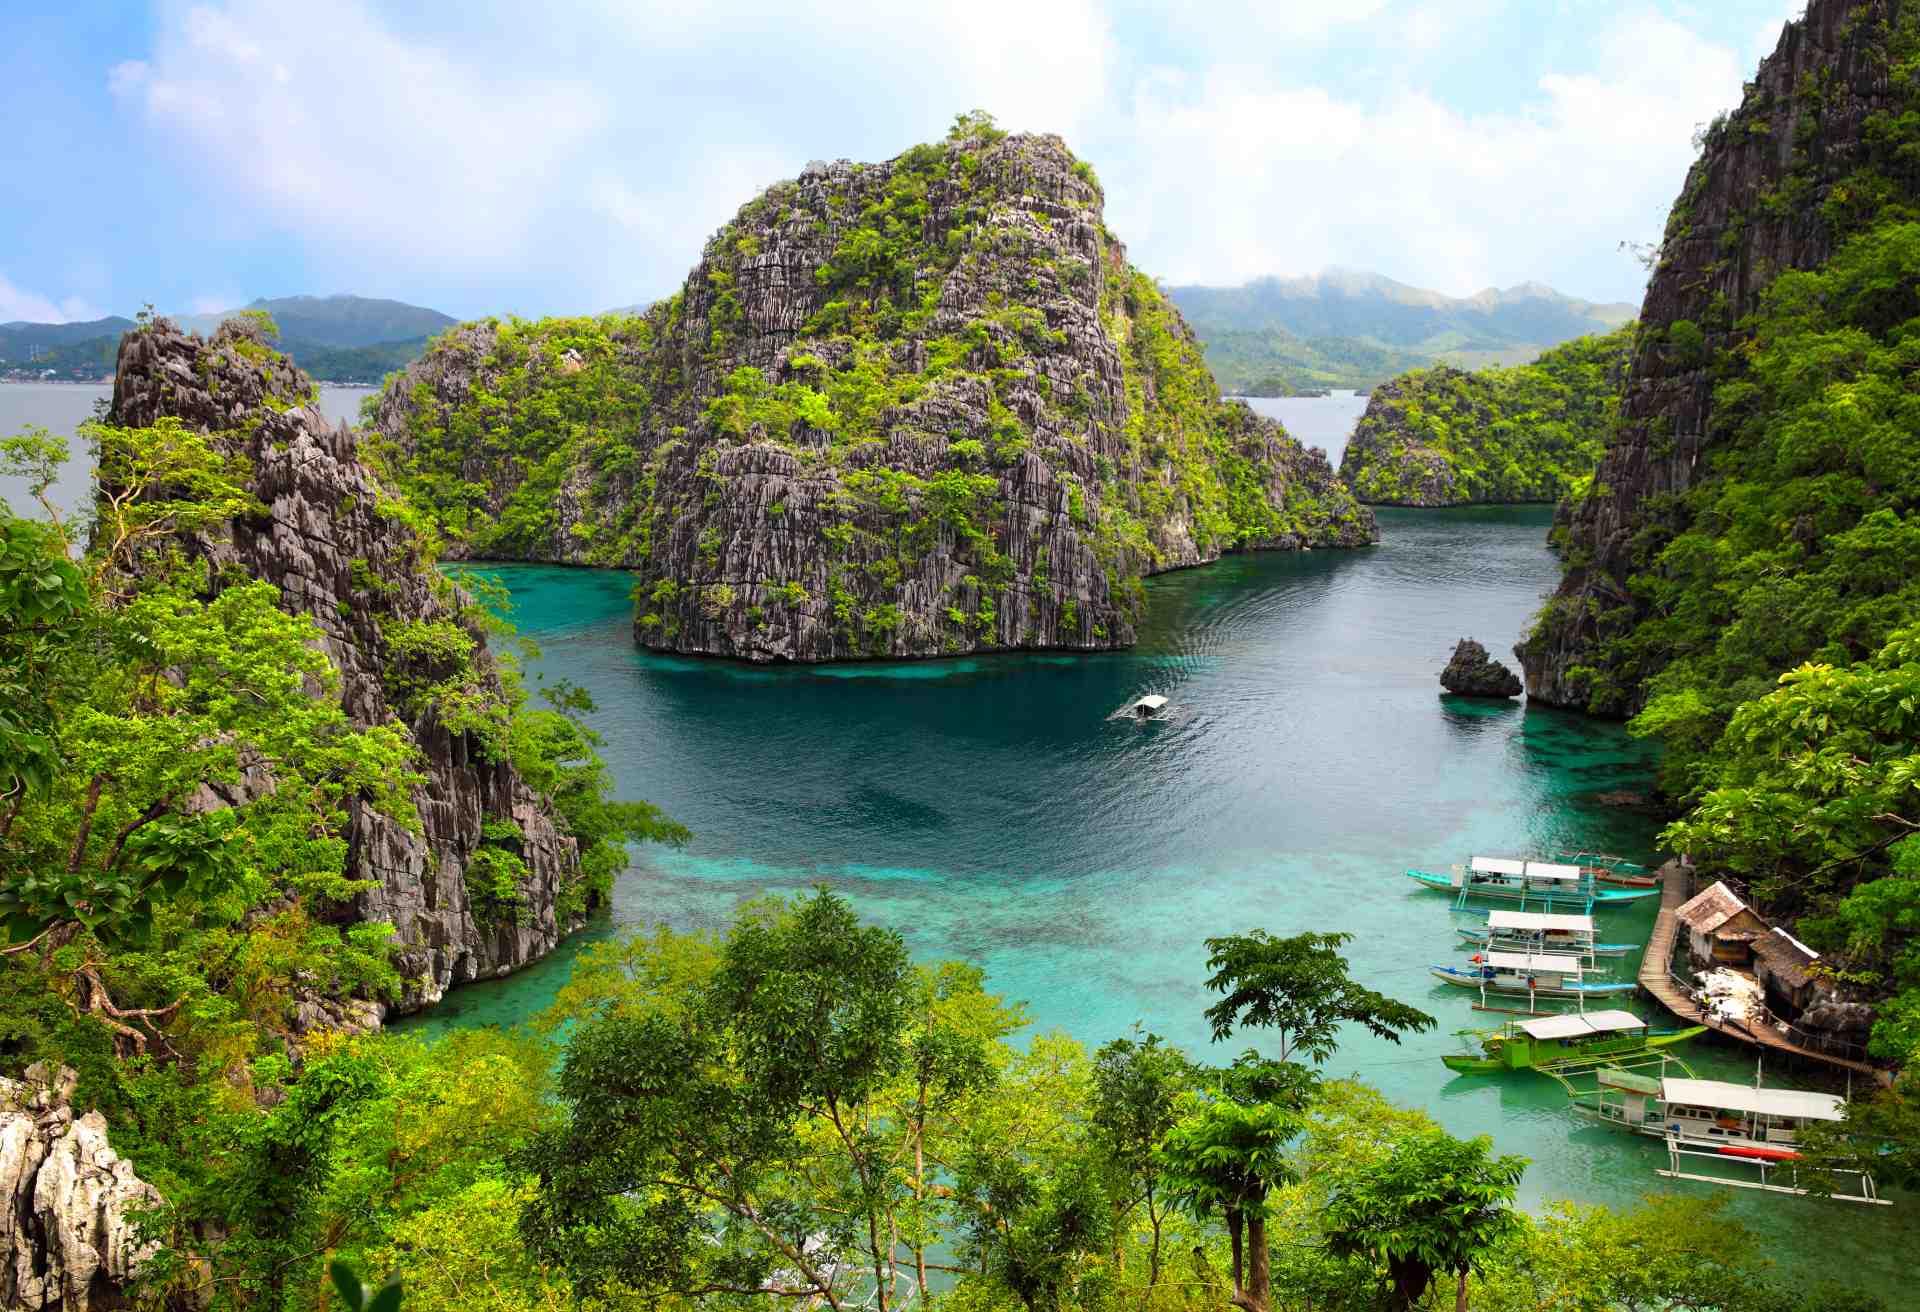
(738, 1146)
(1224, 1158)
(1299, 988)
(1136, 1089)
(1434, 1204)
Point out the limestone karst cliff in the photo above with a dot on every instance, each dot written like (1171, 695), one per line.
(68, 1240)
(1815, 149)
(911, 408)
(1446, 437)
(339, 547)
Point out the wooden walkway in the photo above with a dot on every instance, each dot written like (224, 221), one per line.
(1656, 977)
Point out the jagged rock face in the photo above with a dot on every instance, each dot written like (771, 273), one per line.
(330, 539)
(914, 408)
(1473, 673)
(67, 1243)
(1390, 461)
(1752, 208)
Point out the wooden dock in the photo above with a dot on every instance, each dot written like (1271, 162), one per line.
(1656, 977)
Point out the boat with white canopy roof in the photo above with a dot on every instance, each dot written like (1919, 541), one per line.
(1544, 884)
(1543, 931)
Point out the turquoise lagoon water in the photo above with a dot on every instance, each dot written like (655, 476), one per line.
(989, 809)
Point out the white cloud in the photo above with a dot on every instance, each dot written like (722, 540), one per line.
(17, 304)
(1238, 177)
(331, 125)
(583, 158)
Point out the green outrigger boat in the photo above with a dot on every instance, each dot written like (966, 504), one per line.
(1542, 884)
(1554, 1044)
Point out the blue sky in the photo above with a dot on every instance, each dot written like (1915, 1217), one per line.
(486, 158)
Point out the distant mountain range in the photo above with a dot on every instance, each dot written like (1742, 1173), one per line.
(1343, 328)
(342, 339)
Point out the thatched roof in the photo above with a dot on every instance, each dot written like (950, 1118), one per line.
(1711, 909)
(1785, 957)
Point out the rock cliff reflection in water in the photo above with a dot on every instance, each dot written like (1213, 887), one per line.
(989, 808)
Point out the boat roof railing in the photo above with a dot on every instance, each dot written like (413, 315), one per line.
(1746, 1098)
(1502, 865)
(1541, 961)
(1540, 920)
(1592, 1022)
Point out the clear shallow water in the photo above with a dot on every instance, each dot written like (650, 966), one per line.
(989, 809)
(63, 407)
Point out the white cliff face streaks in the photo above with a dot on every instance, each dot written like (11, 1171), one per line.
(349, 564)
(1046, 435)
(67, 1243)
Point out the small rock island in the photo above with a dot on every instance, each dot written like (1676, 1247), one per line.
(1473, 673)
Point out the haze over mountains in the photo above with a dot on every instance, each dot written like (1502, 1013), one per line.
(1272, 336)
(341, 338)
(1347, 328)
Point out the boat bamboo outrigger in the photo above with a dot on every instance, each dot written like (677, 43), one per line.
(1609, 869)
(1535, 974)
(1736, 1124)
(1544, 884)
(1561, 1046)
(1543, 931)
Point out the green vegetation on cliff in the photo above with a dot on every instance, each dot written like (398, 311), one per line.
(1764, 629)
(911, 408)
(1532, 432)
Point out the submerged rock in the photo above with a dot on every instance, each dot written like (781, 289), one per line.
(1473, 673)
(67, 1242)
(337, 544)
(913, 408)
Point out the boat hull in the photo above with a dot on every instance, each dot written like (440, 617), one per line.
(1467, 979)
(1483, 937)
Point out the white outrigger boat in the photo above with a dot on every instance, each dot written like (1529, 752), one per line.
(1535, 974)
(1740, 1124)
(1544, 884)
(1543, 931)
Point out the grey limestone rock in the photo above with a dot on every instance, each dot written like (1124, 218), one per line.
(330, 541)
(1726, 239)
(67, 1241)
(1046, 434)
(1473, 673)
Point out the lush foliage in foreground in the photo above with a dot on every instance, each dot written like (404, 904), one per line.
(1532, 432)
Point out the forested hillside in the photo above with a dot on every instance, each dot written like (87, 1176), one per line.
(1346, 329)
(1740, 574)
(1532, 432)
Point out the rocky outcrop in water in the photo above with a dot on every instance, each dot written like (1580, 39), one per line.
(67, 1241)
(1762, 198)
(904, 409)
(1473, 673)
(1531, 432)
(339, 547)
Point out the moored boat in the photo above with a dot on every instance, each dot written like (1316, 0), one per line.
(1546, 1042)
(1543, 884)
(1741, 1124)
(1534, 974)
(1609, 869)
(1543, 931)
